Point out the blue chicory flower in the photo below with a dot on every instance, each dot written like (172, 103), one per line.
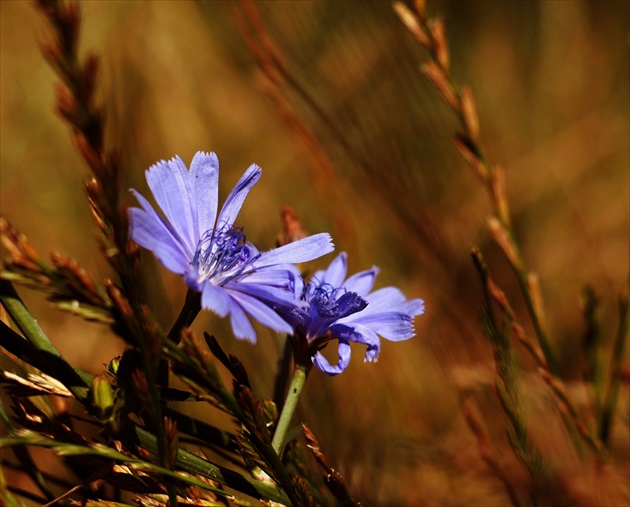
(346, 310)
(214, 257)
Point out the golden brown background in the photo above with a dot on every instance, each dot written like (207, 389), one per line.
(552, 89)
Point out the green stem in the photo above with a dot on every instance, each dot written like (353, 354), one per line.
(293, 396)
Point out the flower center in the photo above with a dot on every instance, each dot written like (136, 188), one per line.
(223, 254)
(327, 304)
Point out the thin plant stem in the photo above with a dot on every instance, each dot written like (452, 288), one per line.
(22, 454)
(615, 370)
(188, 313)
(290, 404)
(431, 35)
(75, 380)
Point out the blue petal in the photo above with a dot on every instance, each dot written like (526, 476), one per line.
(359, 334)
(204, 176)
(260, 311)
(394, 326)
(344, 359)
(235, 200)
(412, 308)
(169, 182)
(282, 275)
(303, 250)
(241, 326)
(150, 231)
(277, 295)
(336, 272)
(216, 299)
(384, 299)
(362, 282)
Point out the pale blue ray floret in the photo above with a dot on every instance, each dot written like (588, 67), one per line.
(346, 310)
(214, 257)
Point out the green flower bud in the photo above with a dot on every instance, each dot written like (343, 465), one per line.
(102, 396)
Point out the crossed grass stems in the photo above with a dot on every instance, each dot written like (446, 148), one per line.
(150, 451)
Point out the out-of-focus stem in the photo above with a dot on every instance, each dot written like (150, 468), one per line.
(431, 35)
(615, 370)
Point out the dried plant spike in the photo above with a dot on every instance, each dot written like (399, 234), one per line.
(438, 79)
(119, 300)
(50, 50)
(313, 445)
(469, 110)
(292, 229)
(501, 236)
(440, 43)
(420, 8)
(499, 296)
(468, 150)
(93, 158)
(411, 23)
(22, 252)
(474, 420)
(90, 73)
(533, 284)
(497, 187)
(172, 438)
(529, 344)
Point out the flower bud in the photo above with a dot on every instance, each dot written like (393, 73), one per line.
(102, 396)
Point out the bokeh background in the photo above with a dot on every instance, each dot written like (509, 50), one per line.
(360, 145)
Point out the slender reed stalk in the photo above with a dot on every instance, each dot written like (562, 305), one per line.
(430, 33)
(75, 104)
(507, 382)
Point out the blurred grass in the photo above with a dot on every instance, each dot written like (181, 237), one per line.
(550, 80)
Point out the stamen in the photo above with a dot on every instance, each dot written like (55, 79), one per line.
(223, 254)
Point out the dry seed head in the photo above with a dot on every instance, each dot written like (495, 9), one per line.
(50, 49)
(119, 300)
(437, 78)
(499, 296)
(61, 262)
(17, 244)
(91, 156)
(529, 344)
(172, 439)
(467, 149)
(292, 229)
(533, 284)
(500, 235)
(440, 43)
(90, 73)
(474, 420)
(66, 102)
(69, 21)
(411, 23)
(469, 110)
(419, 6)
(497, 184)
